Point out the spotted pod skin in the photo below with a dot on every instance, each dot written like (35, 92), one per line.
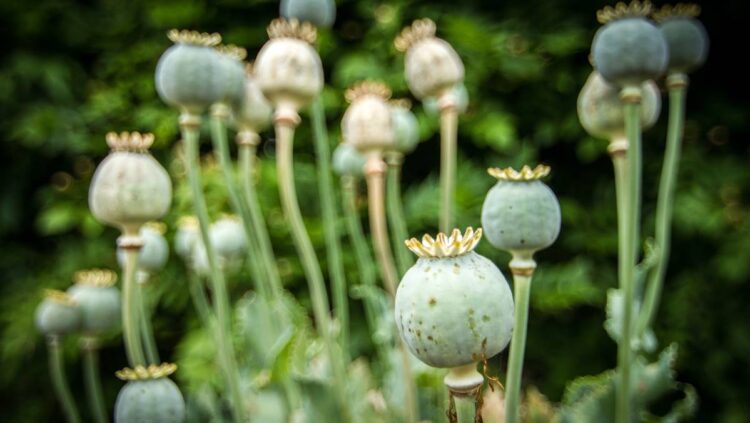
(405, 128)
(347, 160)
(321, 13)
(521, 215)
(629, 51)
(432, 67)
(688, 43)
(100, 307)
(55, 318)
(150, 401)
(255, 111)
(228, 238)
(601, 111)
(289, 72)
(452, 311)
(153, 255)
(185, 77)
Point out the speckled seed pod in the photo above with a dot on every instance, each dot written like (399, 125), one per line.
(432, 66)
(521, 213)
(187, 235)
(185, 72)
(629, 49)
(129, 187)
(601, 111)
(321, 13)
(368, 123)
(287, 68)
(228, 238)
(347, 160)
(149, 396)
(453, 307)
(405, 126)
(229, 74)
(255, 112)
(686, 37)
(58, 314)
(154, 254)
(99, 300)
(460, 96)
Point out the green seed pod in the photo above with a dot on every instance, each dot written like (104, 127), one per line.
(432, 65)
(229, 75)
(321, 13)
(686, 37)
(228, 238)
(347, 160)
(368, 123)
(460, 94)
(453, 307)
(98, 299)
(57, 314)
(255, 112)
(187, 235)
(405, 126)
(521, 213)
(149, 396)
(185, 74)
(629, 49)
(154, 254)
(601, 111)
(129, 187)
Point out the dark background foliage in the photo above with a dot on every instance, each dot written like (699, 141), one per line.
(71, 71)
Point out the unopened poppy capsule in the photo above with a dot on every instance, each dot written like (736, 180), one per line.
(149, 396)
(686, 36)
(57, 314)
(99, 300)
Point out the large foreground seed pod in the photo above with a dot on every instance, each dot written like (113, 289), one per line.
(255, 112)
(405, 126)
(185, 73)
(149, 396)
(602, 113)
(228, 238)
(99, 300)
(321, 13)
(453, 307)
(129, 187)
(229, 75)
(368, 123)
(686, 37)
(347, 160)
(629, 49)
(287, 68)
(521, 213)
(57, 314)
(432, 65)
(154, 254)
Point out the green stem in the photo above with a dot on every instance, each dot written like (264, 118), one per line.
(667, 182)
(147, 331)
(189, 125)
(330, 221)
(399, 231)
(375, 168)
(465, 409)
(448, 135)
(90, 353)
(198, 295)
(59, 381)
(130, 314)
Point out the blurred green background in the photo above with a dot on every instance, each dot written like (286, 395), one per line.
(71, 71)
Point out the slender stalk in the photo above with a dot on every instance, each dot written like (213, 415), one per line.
(396, 219)
(147, 331)
(90, 353)
(59, 381)
(465, 409)
(448, 137)
(375, 170)
(189, 125)
(130, 315)
(367, 271)
(464, 385)
(200, 302)
(677, 85)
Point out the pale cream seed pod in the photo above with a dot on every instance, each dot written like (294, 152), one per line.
(368, 122)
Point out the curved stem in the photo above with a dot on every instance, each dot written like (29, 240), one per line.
(200, 302)
(448, 136)
(130, 314)
(147, 331)
(396, 219)
(189, 125)
(90, 353)
(59, 381)
(375, 170)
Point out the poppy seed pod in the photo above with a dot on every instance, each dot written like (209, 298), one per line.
(453, 307)
(129, 187)
(287, 68)
(99, 300)
(460, 97)
(228, 238)
(521, 213)
(347, 160)
(629, 49)
(321, 13)
(229, 75)
(58, 314)
(154, 254)
(187, 235)
(686, 37)
(368, 123)
(432, 66)
(255, 112)
(601, 110)
(149, 396)
(405, 126)
(185, 74)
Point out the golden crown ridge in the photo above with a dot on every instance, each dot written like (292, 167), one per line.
(419, 30)
(187, 221)
(129, 141)
(366, 88)
(95, 277)
(196, 38)
(445, 246)
(59, 297)
(525, 174)
(151, 372)
(235, 52)
(292, 28)
(403, 103)
(680, 10)
(622, 10)
(159, 227)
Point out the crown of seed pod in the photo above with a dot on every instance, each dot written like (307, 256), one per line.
(229, 74)
(347, 160)
(57, 314)
(629, 49)
(287, 68)
(154, 254)
(405, 126)
(686, 37)
(98, 298)
(186, 236)
(368, 123)
(460, 95)
(149, 396)
(521, 213)
(185, 74)
(601, 111)
(453, 307)
(254, 113)
(321, 13)
(432, 66)
(129, 187)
